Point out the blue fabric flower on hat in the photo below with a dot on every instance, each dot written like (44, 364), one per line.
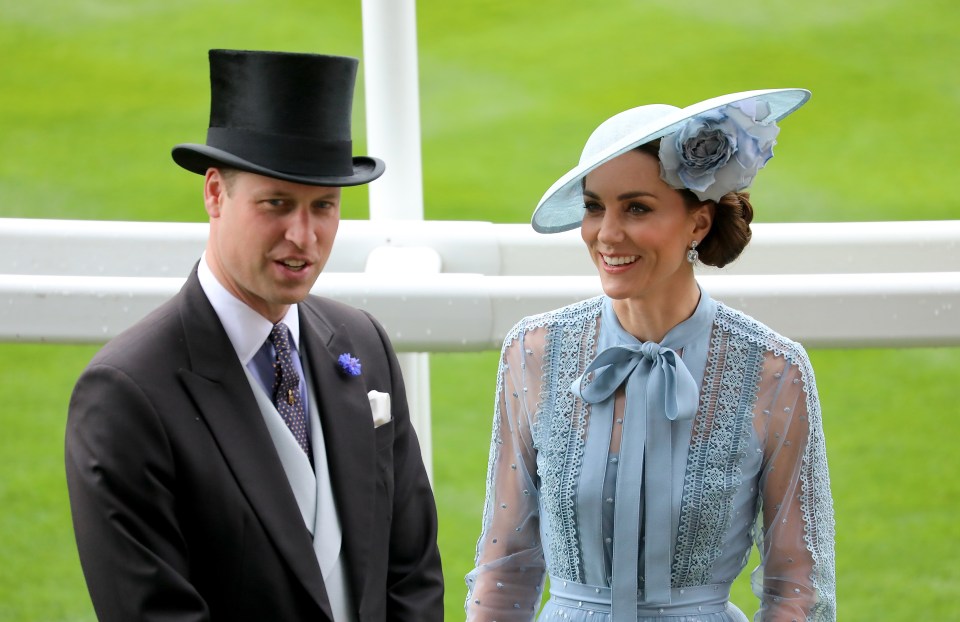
(719, 151)
(349, 364)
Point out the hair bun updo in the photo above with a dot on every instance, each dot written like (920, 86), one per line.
(730, 232)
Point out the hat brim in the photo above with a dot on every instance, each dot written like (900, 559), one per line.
(561, 207)
(198, 158)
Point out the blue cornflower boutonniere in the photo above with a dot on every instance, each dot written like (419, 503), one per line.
(349, 365)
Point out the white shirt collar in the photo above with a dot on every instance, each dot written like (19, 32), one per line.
(246, 328)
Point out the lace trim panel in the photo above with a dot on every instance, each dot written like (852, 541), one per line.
(815, 499)
(718, 445)
(559, 426)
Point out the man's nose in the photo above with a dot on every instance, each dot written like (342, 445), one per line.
(300, 229)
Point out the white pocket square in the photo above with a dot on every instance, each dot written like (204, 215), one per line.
(380, 405)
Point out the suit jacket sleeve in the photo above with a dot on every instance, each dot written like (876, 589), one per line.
(415, 578)
(122, 494)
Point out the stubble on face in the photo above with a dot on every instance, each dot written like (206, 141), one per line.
(269, 238)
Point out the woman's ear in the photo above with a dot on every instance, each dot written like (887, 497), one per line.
(703, 219)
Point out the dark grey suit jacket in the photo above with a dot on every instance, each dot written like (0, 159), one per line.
(181, 507)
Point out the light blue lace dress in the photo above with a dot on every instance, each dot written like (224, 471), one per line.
(666, 462)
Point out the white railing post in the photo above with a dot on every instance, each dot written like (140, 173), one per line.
(393, 107)
(401, 263)
(393, 134)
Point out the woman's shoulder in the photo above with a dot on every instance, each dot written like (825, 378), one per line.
(743, 326)
(569, 316)
(574, 313)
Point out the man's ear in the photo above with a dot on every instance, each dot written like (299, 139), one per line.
(214, 192)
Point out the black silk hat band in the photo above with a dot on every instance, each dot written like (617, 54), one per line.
(295, 155)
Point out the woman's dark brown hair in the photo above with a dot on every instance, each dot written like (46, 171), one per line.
(730, 232)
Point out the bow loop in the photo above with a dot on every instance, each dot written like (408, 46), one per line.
(613, 366)
(667, 377)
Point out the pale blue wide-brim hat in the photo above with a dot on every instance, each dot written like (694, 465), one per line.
(561, 207)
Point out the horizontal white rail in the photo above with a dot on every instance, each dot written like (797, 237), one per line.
(825, 284)
(471, 312)
(91, 248)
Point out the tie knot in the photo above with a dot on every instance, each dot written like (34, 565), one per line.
(659, 367)
(280, 337)
(650, 350)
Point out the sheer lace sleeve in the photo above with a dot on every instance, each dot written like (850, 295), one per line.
(795, 580)
(507, 581)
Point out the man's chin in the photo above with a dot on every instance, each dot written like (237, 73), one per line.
(293, 295)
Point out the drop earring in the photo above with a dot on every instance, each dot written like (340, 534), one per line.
(692, 254)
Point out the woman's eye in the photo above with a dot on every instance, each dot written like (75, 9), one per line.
(592, 206)
(637, 208)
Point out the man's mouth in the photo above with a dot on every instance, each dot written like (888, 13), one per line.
(294, 264)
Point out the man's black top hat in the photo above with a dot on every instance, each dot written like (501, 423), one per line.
(281, 115)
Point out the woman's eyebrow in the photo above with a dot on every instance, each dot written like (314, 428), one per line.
(626, 195)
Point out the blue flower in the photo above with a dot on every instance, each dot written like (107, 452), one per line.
(349, 365)
(719, 151)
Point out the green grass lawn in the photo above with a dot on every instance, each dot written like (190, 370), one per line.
(93, 94)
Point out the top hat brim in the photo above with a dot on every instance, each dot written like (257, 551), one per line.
(561, 207)
(198, 158)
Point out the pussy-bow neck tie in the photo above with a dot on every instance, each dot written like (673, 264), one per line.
(659, 390)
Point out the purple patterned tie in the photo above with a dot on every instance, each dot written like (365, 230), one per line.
(286, 387)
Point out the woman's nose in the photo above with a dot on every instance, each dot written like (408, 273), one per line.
(611, 230)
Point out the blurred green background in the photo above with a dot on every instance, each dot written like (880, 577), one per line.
(93, 94)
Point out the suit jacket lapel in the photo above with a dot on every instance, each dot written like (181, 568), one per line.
(223, 395)
(349, 437)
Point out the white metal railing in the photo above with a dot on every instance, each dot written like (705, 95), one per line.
(117, 248)
(459, 286)
(472, 312)
(441, 285)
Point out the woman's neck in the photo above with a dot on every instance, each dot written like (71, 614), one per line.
(650, 318)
